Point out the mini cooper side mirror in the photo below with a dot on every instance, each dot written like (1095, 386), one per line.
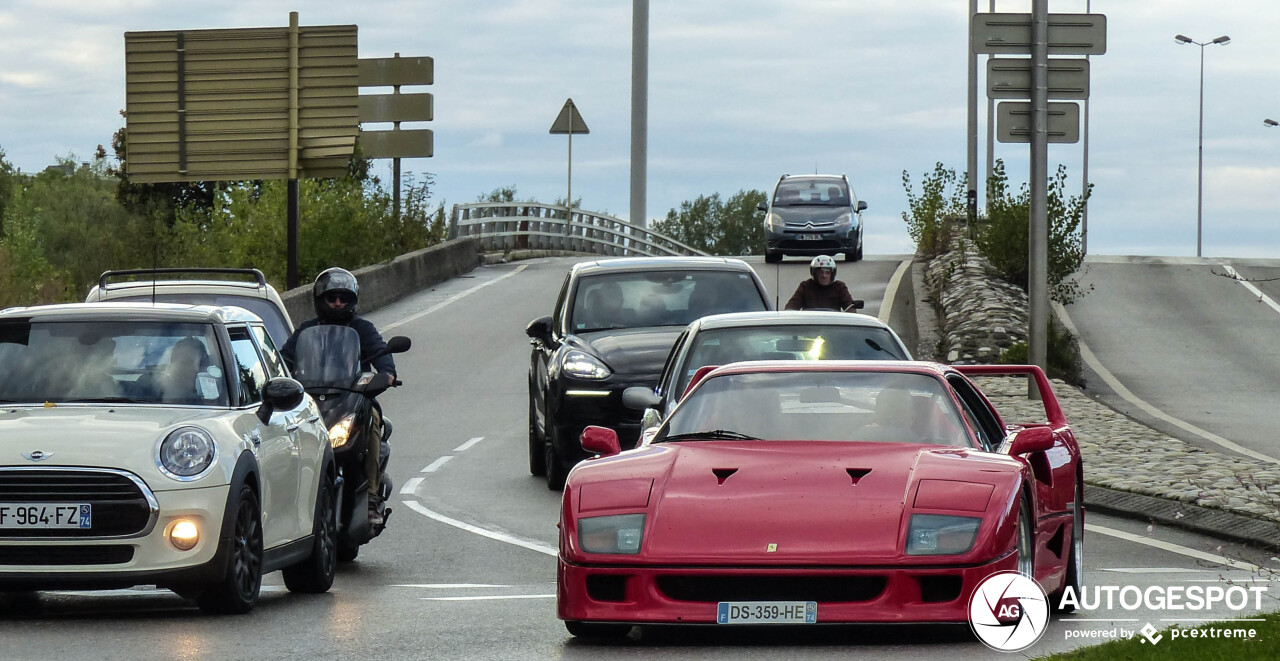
(1031, 439)
(281, 394)
(600, 440)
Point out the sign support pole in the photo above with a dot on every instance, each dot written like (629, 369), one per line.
(1038, 257)
(291, 269)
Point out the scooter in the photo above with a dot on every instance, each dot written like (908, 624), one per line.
(328, 366)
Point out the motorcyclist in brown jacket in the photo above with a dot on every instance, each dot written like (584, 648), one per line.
(822, 290)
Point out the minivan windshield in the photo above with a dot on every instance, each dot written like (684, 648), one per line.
(811, 191)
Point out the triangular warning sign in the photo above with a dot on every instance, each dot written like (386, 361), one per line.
(569, 121)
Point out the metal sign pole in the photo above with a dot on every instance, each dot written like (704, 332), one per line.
(971, 167)
(568, 200)
(1038, 257)
(291, 268)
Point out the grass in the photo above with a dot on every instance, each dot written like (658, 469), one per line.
(1266, 645)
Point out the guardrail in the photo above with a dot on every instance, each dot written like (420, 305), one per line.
(530, 225)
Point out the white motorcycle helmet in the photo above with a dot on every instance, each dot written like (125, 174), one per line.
(822, 262)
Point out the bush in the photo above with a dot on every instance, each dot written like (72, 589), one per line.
(1062, 356)
(1003, 234)
(942, 196)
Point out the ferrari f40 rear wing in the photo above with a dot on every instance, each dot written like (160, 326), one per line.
(1052, 410)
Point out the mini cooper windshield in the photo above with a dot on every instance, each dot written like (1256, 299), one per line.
(112, 361)
(885, 407)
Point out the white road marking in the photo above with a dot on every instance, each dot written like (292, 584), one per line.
(1173, 548)
(1099, 619)
(453, 298)
(467, 446)
(886, 303)
(1254, 290)
(435, 465)
(140, 592)
(1205, 619)
(1092, 361)
(410, 486)
(449, 586)
(1155, 570)
(483, 532)
(496, 596)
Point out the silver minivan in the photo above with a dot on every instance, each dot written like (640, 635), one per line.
(813, 214)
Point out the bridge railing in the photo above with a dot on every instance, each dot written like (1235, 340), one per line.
(531, 225)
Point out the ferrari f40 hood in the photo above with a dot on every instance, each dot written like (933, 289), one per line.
(762, 502)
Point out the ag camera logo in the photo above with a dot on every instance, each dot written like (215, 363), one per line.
(1008, 612)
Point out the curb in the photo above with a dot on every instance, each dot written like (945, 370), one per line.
(1262, 533)
(500, 257)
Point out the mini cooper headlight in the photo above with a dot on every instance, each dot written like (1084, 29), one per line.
(186, 453)
(620, 533)
(941, 534)
(584, 366)
(340, 432)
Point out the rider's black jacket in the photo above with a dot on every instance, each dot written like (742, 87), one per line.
(370, 342)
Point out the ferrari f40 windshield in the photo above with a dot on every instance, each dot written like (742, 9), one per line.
(114, 361)
(889, 407)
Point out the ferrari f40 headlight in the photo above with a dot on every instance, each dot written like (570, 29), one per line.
(941, 534)
(583, 365)
(340, 432)
(186, 453)
(620, 533)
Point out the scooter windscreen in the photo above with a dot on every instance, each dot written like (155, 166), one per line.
(328, 356)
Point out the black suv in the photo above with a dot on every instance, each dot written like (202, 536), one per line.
(613, 326)
(812, 214)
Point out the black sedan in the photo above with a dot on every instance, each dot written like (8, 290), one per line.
(614, 323)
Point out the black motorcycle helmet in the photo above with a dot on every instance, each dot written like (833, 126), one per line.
(333, 283)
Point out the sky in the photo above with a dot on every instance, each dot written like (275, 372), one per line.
(740, 92)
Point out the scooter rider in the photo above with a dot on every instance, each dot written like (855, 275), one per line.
(822, 290)
(335, 294)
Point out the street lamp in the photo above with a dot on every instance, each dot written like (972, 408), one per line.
(1183, 39)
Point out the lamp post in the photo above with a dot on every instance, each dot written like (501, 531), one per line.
(1223, 40)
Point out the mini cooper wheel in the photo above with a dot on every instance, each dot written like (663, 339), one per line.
(238, 590)
(596, 629)
(315, 574)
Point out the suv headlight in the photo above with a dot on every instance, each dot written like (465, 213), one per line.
(941, 534)
(620, 533)
(773, 220)
(584, 366)
(340, 432)
(845, 218)
(186, 453)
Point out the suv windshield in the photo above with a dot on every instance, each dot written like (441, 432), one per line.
(113, 361)
(795, 192)
(660, 298)
(270, 315)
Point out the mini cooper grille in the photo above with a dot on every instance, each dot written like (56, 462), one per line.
(115, 554)
(831, 589)
(119, 506)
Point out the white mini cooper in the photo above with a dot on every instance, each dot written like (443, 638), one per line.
(158, 444)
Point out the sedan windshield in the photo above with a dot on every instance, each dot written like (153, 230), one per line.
(888, 407)
(114, 361)
(721, 346)
(660, 298)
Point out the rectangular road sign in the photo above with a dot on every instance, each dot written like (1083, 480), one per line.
(1014, 122)
(389, 71)
(1010, 78)
(395, 108)
(412, 143)
(1010, 34)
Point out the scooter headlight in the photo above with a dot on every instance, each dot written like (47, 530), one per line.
(340, 432)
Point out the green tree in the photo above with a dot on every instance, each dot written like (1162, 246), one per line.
(942, 196)
(733, 227)
(1002, 236)
(6, 187)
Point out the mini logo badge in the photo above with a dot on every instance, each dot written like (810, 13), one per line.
(1008, 611)
(37, 455)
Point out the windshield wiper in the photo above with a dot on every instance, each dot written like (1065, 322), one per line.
(714, 435)
(875, 345)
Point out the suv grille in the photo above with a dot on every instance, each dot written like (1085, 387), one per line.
(119, 506)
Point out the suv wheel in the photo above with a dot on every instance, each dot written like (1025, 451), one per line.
(537, 446)
(772, 257)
